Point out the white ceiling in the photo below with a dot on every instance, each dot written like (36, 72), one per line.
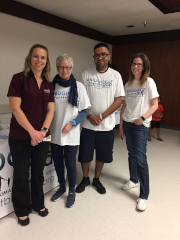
(110, 16)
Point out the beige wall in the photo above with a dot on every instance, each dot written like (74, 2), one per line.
(18, 35)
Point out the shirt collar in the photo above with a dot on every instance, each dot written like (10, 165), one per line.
(102, 72)
(30, 74)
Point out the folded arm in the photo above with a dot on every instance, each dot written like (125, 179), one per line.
(151, 110)
(80, 117)
(96, 120)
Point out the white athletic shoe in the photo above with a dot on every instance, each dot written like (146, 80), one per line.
(129, 185)
(141, 204)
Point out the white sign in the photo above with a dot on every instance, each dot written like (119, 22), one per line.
(6, 179)
(50, 177)
(6, 175)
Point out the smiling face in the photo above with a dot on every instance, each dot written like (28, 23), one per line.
(64, 69)
(38, 59)
(137, 68)
(103, 59)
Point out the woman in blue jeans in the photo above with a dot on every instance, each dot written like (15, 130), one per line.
(139, 104)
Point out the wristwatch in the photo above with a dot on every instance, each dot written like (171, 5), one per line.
(44, 129)
(143, 118)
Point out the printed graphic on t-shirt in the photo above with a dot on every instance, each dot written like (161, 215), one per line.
(158, 112)
(61, 96)
(140, 92)
(97, 83)
(47, 91)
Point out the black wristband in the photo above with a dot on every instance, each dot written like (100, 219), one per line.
(88, 116)
(143, 118)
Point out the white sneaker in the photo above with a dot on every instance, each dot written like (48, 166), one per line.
(129, 185)
(141, 204)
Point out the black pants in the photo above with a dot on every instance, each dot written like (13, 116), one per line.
(25, 155)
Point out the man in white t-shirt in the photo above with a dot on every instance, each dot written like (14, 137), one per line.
(105, 89)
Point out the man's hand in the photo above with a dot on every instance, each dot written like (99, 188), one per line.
(98, 117)
(155, 115)
(67, 128)
(94, 120)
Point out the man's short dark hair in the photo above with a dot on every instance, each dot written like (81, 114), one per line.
(101, 45)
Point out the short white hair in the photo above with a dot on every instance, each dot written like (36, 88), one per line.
(64, 57)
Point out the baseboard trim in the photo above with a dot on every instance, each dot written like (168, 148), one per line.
(170, 127)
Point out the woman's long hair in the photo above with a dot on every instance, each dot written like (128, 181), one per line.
(145, 72)
(27, 64)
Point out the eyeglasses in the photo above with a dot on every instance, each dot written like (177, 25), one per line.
(138, 64)
(63, 68)
(102, 55)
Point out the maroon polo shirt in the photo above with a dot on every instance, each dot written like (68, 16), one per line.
(33, 102)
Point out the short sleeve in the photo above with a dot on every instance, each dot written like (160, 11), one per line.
(51, 97)
(82, 80)
(84, 102)
(119, 92)
(153, 93)
(15, 87)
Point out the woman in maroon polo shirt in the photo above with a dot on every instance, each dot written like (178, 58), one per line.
(31, 99)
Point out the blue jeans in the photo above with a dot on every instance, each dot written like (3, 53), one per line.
(136, 141)
(67, 154)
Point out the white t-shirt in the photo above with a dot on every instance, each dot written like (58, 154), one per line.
(102, 88)
(65, 112)
(138, 100)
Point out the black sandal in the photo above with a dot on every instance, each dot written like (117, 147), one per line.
(43, 213)
(24, 222)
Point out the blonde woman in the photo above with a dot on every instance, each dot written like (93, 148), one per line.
(31, 99)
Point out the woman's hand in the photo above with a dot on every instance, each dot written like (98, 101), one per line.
(33, 143)
(36, 137)
(43, 133)
(138, 121)
(121, 133)
(67, 128)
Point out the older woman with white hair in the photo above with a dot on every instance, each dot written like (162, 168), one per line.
(71, 107)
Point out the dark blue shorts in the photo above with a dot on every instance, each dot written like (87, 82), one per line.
(101, 141)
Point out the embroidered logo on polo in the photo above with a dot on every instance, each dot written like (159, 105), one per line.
(61, 96)
(47, 91)
(135, 92)
(99, 83)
